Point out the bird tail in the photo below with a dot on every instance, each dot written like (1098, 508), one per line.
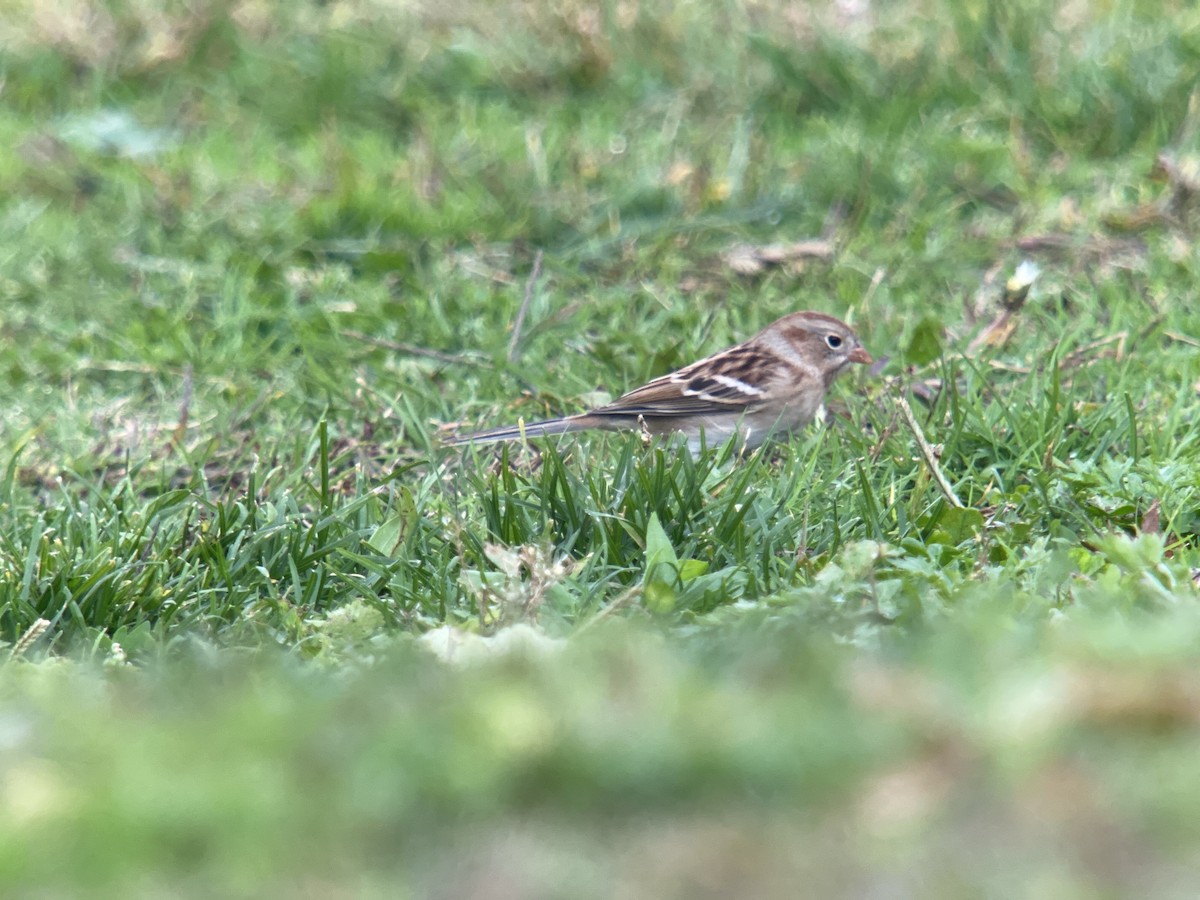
(521, 430)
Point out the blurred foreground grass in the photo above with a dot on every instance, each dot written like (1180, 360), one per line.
(984, 758)
(253, 256)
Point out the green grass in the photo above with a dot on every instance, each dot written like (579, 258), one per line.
(254, 257)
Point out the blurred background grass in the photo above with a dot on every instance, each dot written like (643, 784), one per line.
(253, 254)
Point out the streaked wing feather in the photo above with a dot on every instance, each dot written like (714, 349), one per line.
(703, 388)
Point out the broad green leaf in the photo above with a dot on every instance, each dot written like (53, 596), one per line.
(658, 545)
(662, 564)
(925, 345)
(960, 524)
(659, 596)
(388, 537)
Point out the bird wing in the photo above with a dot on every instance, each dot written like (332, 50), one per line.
(710, 386)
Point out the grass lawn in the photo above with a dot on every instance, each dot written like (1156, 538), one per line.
(266, 636)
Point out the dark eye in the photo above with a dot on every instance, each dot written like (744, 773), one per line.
(833, 341)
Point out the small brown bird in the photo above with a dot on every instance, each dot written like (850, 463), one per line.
(768, 386)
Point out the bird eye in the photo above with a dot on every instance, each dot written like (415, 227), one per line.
(833, 341)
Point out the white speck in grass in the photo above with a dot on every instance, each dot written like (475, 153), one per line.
(1027, 273)
(115, 132)
(465, 648)
(116, 656)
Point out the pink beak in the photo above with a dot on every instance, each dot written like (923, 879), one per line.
(860, 355)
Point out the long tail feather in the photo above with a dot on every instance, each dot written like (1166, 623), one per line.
(546, 428)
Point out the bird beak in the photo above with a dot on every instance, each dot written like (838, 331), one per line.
(860, 355)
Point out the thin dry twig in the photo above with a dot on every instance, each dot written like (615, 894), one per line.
(1148, 329)
(1086, 355)
(928, 454)
(927, 389)
(1181, 338)
(185, 406)
(530, 284)
(751, 259)
(1089, 249)
(414, 350)
(1001, 365)
(876, 281)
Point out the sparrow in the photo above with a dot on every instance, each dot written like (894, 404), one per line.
(766, 387)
